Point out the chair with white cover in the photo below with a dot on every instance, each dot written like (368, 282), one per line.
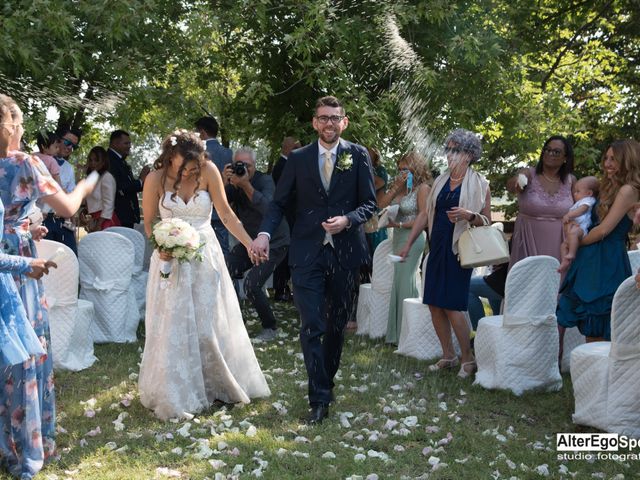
(70, 319)
(572, 338)
(106, 268)
(634, 260)
(374, 296)
(140, 277)
(518, 350)
(418, 338)
(606, 375)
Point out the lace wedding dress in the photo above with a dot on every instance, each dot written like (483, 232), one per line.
(197, 349)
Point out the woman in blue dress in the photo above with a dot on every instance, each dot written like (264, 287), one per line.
(459, 197)
(27, 399)
(602, 263)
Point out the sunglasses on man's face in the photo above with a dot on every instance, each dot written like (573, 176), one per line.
(69, 143)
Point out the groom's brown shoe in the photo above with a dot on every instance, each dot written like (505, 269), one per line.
(317, 414)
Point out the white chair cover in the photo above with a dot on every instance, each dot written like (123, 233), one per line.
(572, 338)
(369, 293)
(140, 276)
(606, 375)
(418, 338)
(70, 320)
(106, 268)
(518, 351)
(634, 260)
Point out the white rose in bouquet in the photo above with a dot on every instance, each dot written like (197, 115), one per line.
(523, 181)
(178, 238)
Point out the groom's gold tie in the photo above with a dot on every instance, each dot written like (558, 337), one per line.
(327, 169)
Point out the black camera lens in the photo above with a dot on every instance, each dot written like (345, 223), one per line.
(239, 168)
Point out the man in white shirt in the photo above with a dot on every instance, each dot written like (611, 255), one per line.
(62, 229)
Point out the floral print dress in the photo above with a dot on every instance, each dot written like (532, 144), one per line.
(27, 398)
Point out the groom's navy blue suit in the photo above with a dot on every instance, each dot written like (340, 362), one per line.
(323, 276)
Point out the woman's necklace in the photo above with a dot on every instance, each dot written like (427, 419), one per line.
(552, 180)
(456, 180)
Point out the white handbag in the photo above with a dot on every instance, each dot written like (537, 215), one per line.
(481, 246)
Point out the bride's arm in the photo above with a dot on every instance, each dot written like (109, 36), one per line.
(150, 198)
(216, 190)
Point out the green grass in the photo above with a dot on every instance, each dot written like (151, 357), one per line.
(375, 385)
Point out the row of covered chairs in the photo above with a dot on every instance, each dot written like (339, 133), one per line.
(97, 297)
(518, 350)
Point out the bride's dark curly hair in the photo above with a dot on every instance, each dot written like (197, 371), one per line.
(189, 146)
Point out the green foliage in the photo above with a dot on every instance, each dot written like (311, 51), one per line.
(514, 71)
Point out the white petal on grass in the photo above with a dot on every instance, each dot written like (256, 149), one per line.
(281, 452)
(111, 445)
(300, 454)
(166, 472)
(372, 476)
(329, 455)
(184, 430)
(234, 451)
(543, 470)
(359, 457)
(301, 439)
(238, 469)
(94, 432)
(398, 448)
(217, 464)
(410, 421)
(177, 451)
(433, 460)
(443, 406)
(252, 431)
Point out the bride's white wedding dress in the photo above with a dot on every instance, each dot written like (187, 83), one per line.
(197, 349)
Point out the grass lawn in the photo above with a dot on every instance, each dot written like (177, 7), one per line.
(391, 419)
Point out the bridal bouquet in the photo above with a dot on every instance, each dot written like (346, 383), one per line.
(178, 238)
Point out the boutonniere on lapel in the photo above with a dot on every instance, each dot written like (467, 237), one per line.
(345, 162)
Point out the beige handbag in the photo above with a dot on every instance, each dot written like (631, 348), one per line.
(480, 246)
(372, 224)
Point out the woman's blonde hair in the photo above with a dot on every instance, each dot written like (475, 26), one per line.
(418, 164)
(627, 154)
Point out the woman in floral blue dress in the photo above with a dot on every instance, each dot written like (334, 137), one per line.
(27, 399)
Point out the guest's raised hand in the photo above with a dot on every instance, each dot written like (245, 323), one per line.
(399, 181)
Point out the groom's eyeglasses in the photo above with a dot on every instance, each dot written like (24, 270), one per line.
(325, 118)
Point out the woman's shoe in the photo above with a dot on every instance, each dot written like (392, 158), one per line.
(444, 363)
(467, 369)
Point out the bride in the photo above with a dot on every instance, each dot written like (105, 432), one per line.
(197, 349)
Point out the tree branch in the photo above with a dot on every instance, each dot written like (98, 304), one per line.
(569, 44)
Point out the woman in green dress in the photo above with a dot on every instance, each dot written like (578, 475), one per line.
(409, 190)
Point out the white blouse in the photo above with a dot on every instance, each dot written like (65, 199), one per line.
(103, 196)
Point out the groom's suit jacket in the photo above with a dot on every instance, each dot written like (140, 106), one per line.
(351, 193)
(127, 207)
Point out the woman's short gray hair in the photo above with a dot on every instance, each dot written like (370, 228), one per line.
(466, 141)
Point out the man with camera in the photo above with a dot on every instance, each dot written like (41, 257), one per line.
(249, 193)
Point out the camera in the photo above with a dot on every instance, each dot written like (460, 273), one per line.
(239, 168)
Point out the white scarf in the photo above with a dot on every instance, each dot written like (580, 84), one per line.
(472, 197)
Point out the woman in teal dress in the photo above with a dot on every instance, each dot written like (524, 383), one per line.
(602, 263)
(27, 399)
(412, 199)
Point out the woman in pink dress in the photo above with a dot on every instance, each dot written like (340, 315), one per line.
(543, 201)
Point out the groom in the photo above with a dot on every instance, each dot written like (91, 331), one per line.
(332, 183)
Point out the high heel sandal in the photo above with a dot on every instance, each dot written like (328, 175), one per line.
(464, 373)
(443, 364)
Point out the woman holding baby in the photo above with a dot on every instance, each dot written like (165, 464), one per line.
(601, 263)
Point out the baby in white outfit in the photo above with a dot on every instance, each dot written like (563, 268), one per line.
(578, 220)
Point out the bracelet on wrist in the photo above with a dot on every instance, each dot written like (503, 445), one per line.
(472, 218)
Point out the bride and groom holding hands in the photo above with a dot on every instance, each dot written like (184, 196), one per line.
(197, 349)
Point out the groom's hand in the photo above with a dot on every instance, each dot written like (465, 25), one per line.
(259, 249)
(335, 225)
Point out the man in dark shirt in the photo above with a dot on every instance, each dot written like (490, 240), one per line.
(249, 193)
